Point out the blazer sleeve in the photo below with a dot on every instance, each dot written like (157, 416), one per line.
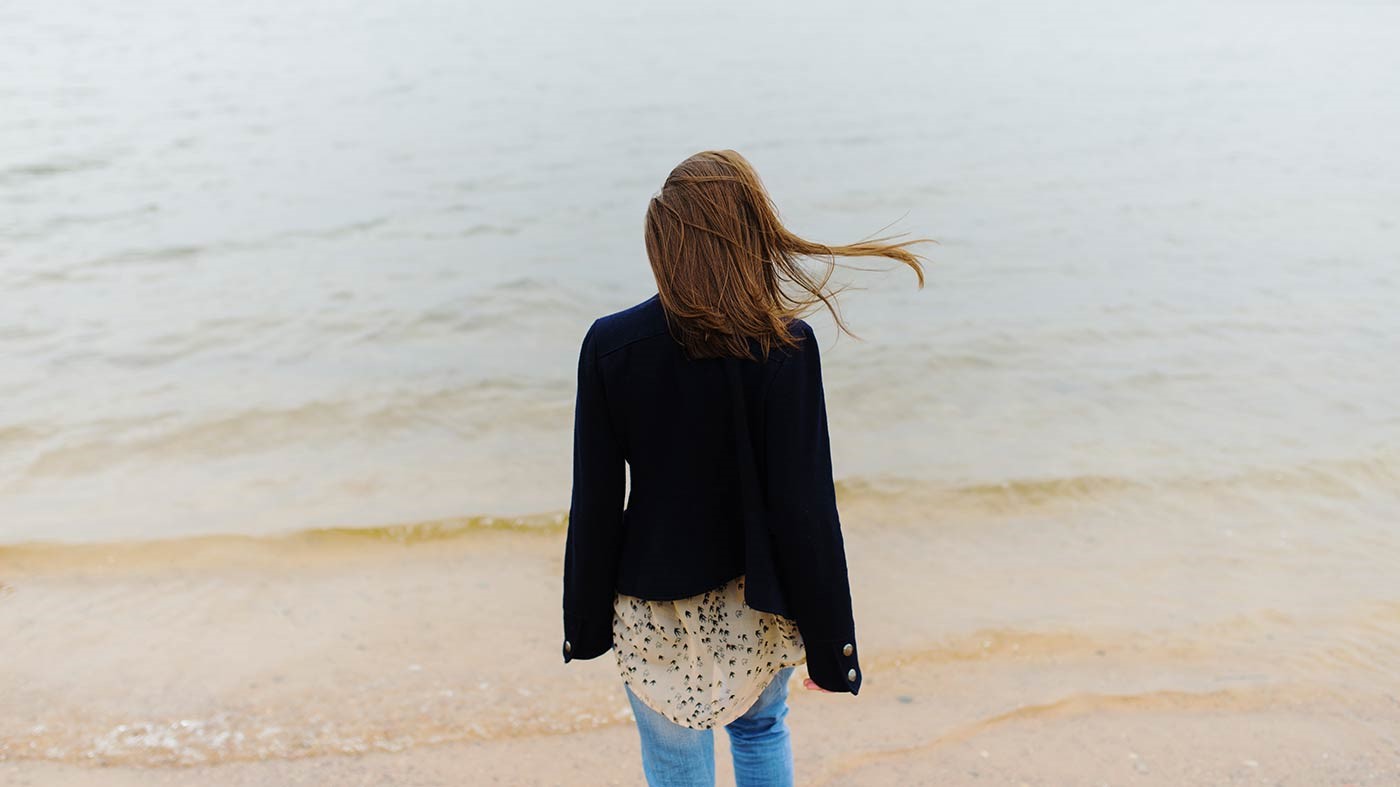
(593, 544)
(802, 515)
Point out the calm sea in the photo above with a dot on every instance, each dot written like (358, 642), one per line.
(270, 266)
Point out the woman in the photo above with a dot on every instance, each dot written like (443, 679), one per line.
(726, 569)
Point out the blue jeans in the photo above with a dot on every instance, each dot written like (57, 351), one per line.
(677, 756)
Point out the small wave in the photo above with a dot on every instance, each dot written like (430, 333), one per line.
(1349, 479)
(141, 256)
(438, 530)
(46, 169)
(258, 429)
(42, 554)
(1037, 491)
(489, 229)
(1344, 479)
(63, 222)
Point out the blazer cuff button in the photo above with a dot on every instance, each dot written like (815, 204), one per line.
(846, 651)
(851, 676)
(567, 647)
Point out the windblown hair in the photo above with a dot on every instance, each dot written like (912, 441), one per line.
(721, 259)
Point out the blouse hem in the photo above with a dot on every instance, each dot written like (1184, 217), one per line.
(739, 708)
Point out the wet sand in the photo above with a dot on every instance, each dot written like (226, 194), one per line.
(1167, 747)
(997, 652)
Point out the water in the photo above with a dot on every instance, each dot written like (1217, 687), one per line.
(273, 271)
(273, 267)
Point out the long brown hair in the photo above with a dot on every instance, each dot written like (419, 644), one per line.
(721, 257)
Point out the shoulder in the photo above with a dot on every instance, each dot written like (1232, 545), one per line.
(806, 338)
(801, 329)
(620, 328)
(795, 371)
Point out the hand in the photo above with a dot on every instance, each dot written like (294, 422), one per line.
(812, 685)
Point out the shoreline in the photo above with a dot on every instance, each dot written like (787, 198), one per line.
(1052, 638)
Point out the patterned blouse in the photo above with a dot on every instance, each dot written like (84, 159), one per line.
(701, 661)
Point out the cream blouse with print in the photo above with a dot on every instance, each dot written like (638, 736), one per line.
(701, 661)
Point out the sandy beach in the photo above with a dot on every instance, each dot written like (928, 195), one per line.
(429, 655)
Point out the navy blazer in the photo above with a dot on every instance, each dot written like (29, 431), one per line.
(730, 464)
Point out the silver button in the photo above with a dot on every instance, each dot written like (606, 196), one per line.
(567, 647)
(846, 651)
(851, 676)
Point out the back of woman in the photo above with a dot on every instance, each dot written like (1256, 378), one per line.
(722, 568)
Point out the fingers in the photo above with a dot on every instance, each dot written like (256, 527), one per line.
(812, 685)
